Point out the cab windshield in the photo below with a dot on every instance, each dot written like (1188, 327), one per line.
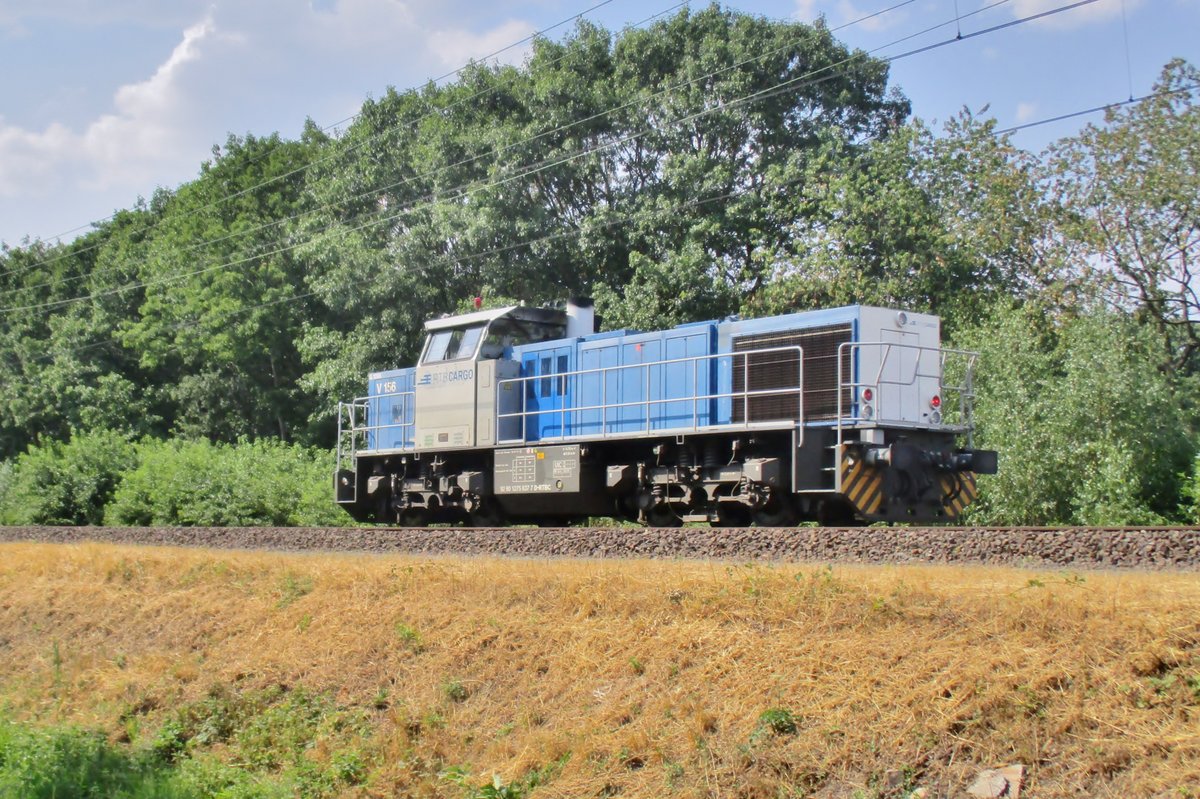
(453, 345)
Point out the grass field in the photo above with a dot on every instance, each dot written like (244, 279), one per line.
(255, 674)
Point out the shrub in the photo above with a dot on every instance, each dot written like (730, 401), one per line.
(197, 483)
(62, 762)
(778, 720)
(1088, 429)
(65, 482)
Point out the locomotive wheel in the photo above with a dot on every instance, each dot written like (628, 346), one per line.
(778, 512)
(488, 514)
(413, 517)
(732, 515)
(838, 513)
(662, 515)
(384, 513)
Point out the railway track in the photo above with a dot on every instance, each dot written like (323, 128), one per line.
(1176, 548)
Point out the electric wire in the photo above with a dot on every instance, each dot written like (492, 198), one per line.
(520, 143)
(770, 91)
(531, 170)
(483, 59)
(316, 162)
(608, 223)
(462, 162)
(1097, 109)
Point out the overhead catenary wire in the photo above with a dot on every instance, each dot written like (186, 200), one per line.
(482, 59)
(770, 91)
(1097, 109)
(602, 224)
(300, 170)
(514, 145)
(435, 112)
(610, 222)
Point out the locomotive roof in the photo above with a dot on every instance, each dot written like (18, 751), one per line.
(520, 312)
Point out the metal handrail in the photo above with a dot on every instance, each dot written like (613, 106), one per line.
(349, 435)
(695, 398)
(355, 427)
(848, 358)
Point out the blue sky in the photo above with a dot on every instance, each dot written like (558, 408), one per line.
(102, 102)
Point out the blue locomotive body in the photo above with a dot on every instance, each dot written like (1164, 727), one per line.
(529, 414)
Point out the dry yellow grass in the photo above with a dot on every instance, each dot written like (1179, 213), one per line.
(649, 678)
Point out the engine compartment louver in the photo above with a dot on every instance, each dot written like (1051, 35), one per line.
(777, 370)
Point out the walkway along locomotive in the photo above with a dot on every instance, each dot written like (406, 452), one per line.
(845, 415)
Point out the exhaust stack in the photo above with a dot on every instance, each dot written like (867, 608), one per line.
(581, 317)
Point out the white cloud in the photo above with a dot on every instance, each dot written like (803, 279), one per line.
(1025, 111)
(1101, 11)
(131, 142)
(258, 67)
(806, 10)
(841, 12)
(144, 128)
(456, 47)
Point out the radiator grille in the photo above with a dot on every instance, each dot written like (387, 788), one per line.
(775, 370)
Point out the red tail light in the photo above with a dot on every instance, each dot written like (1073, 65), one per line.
(867, 394)
(936, 402)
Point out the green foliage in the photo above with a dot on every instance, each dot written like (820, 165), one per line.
(409, 636)
(662, 223)
(197, 483)
(66, 762)
(1129, 197)
(631, 167)
(1090, 431)
(679, 288)
(779, 721)
(292, 587)
(265, 732)
(496, 789)
(64, 483)
(455, 691)
(933, 223)
(264, 738)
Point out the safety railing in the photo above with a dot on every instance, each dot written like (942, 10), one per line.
(357, 430)
(596, 420)
(888, 382)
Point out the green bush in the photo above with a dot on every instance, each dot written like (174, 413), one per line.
(66, 762)
(269, 734)
(65, 483)
(198, 483)
(1089, 430)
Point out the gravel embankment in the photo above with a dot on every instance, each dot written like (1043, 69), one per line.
(1137, 548)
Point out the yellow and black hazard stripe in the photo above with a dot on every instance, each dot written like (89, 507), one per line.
(861, 484)
(958, 491)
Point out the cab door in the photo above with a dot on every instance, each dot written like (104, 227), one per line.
(547, 393)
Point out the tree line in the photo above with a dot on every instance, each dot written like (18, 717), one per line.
(712, 163)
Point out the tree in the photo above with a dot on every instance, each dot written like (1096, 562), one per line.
(652, 168)
(1088, 430)
(63, 364)
(1130, 204)
(224, 299)
(946, 224)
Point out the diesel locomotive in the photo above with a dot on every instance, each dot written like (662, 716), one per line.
(529, 415)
